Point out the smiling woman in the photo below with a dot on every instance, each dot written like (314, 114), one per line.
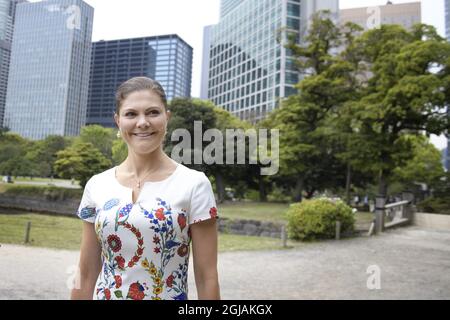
(141, 216)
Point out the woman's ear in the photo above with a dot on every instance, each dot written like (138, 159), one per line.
(116, 120)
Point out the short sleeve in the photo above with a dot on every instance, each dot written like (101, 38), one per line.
(87, 209)
(203, 203)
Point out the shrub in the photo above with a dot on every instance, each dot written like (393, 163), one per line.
(435, 205)
(316, 219)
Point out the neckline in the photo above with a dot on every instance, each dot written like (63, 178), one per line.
(144, 183)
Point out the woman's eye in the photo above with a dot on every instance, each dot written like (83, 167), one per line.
(129, 114)
(154, 112)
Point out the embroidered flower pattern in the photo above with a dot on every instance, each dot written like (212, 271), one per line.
(123, 231)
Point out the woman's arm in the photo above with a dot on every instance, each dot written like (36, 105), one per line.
(204, 250)
(90, 264)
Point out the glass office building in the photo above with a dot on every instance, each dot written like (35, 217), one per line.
(7, 13)
(249, 68)
(447, 30)
(167, 59)
(49, 70)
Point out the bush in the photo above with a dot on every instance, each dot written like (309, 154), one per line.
(435, 205)
(47, 193)
(316, 219)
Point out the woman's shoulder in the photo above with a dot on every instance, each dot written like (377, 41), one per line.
(191, 175)
(101, 178)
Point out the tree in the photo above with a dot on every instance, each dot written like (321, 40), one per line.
(80, 161)
(100, 137)
(407, 92)
(306, 154)
(424, 166)
(42, 154)
(13, 149)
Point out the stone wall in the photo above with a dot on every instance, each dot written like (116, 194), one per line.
(250, 228)
(38, 204)
(432, 221)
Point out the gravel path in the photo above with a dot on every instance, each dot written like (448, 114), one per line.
(413, 263)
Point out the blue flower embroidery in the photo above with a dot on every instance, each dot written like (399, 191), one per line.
(110, 204)
(87, 213)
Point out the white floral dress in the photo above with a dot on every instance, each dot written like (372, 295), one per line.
(145, 245)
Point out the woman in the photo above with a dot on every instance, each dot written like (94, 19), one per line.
(141, 216)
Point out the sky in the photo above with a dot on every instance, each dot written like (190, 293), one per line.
(118, 19)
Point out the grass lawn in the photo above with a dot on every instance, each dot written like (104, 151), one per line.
(65, 233)
(254, 211)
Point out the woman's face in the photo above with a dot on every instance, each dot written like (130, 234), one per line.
(142, 121)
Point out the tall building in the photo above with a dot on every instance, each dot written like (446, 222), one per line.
(226, 6)
(7, 14)
(167, 59)
(404, 14)
(49, 69)
(447, 19)
(249, 70)
(447, 31)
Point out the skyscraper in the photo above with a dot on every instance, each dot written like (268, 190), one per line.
(249, 70)
(49, 70)
(447, 31)
(404, 14)
(7, 14)
(166, 58)
(447, 19)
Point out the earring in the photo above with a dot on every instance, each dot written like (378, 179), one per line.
(119, 135)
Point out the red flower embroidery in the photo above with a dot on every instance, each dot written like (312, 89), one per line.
(140, 251)
(120, 262)
(114, 243)
(182, 221)
(169, 281)
(213, 212)
(135, 259)
(183, 250)
(107, 294)
(156, 239)
(130, 264)
(160, 214)
(118, 280)
(136, 291)
(156, 250)
(141, 242)
(138, 234)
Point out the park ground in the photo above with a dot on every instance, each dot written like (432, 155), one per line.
(414, 263)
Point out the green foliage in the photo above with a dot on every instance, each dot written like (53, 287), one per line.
(47, 193)
(316, 219)
(42, 155)
(80, 161)
(424, 166)
(435, 205)
(119, 151)
(100, 137)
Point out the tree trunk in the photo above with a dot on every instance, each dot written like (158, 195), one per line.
(348, 184)
(220, 188)
(262, 189)
(382, 184)
(298, 189)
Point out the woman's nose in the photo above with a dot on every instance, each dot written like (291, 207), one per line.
(143, 122)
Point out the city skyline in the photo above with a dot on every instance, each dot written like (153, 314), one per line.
(122, 19)
(49, 70)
